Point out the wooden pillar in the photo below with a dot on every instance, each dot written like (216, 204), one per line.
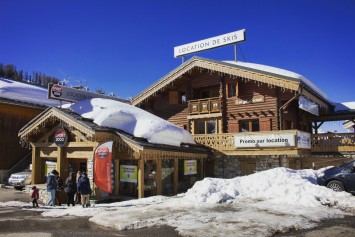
(141, 178)
(36, 166)
(201, 175)
(117, 177)
(62, 164)
(176, 176)
(158, 178)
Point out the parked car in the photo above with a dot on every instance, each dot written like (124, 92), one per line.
(21, 179)
(340, 178)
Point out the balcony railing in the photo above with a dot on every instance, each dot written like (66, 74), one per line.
(205, 106)
(333, 142)
(340, 142)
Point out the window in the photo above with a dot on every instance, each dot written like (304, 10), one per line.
(231, 89)
(205, 127)
(249, 125)
(182, 97)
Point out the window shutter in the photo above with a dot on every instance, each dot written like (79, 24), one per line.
(265, 124)
(173, 97)
(233, 126)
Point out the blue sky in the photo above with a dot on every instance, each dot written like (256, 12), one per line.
(125, 46)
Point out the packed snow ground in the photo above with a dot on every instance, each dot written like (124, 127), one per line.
(260, 204)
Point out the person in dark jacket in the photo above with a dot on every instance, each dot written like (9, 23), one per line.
(59, 190)
(52, 186)
(77, 195)
(84, 189)
(70, 188)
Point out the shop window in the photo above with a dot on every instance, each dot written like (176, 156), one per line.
(249, 125)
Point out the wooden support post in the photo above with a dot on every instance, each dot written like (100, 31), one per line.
(158, 178)
(176, 176)
(141, 178)
(62, 164)
(117, 177)
(201, 175)
(36, 166)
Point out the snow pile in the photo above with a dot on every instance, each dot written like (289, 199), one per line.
(135, 121)
(279, 185)
(260, 204)
(281, 72)
(17, 91)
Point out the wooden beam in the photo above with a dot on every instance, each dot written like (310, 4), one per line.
(158, 178)
(176, 176)
(141, 178)
(36, 166)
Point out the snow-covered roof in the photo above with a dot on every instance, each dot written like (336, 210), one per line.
(344, 106)
(281, 72)
(133, 120)
(22, 92)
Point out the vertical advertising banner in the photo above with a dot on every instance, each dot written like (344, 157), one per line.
(103, 167)
(190, 167)
(128, 173)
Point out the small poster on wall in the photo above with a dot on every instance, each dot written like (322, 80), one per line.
(50, 165)
(190, 167)
(128, 173)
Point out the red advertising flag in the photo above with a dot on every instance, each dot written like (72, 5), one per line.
(102, 166)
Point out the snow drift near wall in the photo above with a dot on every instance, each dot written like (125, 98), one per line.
(133, 120)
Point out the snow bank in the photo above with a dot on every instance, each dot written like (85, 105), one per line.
(135, 121)
(279, 185)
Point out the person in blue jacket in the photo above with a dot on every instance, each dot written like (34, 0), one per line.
(84, 189)
(52, 186)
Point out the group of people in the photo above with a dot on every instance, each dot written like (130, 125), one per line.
(77, 188)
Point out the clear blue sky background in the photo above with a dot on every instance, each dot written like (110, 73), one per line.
(125, 46)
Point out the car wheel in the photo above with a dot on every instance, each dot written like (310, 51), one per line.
(336, 186)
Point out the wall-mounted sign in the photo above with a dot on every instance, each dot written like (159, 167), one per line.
(264, 140)
(129, 173)
(214, 42)
(59, 92)
(60, 137)
(190, 167)
(303, 140)
(308, 106)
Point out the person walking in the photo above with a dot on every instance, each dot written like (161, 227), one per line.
(35, 196)
(52, 186)
(78, 196)
(70, 189)
(84, 189)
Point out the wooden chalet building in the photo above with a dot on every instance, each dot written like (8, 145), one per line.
(251, 115)
(160, 168)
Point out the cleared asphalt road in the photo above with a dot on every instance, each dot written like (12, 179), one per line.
(18, 222)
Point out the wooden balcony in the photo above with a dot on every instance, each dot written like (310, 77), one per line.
(333, 142)
(204, 106)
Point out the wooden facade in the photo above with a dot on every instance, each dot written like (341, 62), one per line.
(216, 100)
(13, 116)
(160, 168)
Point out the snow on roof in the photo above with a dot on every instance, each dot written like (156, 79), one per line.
(279, 71)
(261, 204)
(342, 106)
(18, 91)
(133, 120)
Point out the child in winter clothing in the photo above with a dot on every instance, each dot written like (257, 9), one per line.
(35, 196)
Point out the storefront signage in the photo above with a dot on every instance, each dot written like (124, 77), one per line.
(60, 137)
(255, 99)
(214, 42)
(49, 166)
(303, 140)
(190, 167)
(308, 106)
(264, 140)
(59, 92)
(103, 167)
(128, 173)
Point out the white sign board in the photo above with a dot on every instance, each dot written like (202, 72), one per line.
(308, 106)
(264, 140)
(214, 42)
(303, 140)
(58, 92)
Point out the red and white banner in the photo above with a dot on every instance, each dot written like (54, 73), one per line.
(103, 167)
